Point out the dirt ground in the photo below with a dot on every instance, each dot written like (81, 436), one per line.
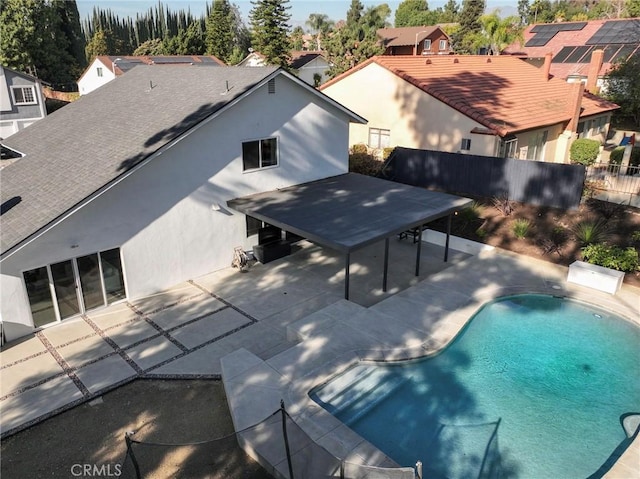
(550, 236)
(88, 440)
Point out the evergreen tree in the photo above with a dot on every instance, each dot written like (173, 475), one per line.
(269, 23)
(354, 13)
(623, 88)
(67, 10)
(219, 35)
(632, 8)
(523, 11)
(449, 13)
(413, 13)
(320, 25)
(150, 47)
(98, 45)
(465, 38)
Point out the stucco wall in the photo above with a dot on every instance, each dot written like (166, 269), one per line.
(16, 117)
(161, 215)
(415, 119)
(90, 80)
(317, 65)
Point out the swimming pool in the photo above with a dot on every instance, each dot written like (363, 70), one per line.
(533, 387)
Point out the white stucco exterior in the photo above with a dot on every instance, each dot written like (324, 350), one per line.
(318, 66)
(96, 75)
(162, 214)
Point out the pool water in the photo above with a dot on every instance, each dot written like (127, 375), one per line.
(533, 387)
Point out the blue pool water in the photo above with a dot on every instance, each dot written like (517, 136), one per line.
(534, 387)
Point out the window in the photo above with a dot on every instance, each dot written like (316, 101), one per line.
(535, 148)
(379, 138)
(259, 154)
(465, 145)
(443, 45)
(580, 130)
(508, 148)
(427, 45)
(99, 71)
(23, 95)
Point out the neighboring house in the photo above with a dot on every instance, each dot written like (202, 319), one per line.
(572, 45)
(430, 40)
(99, 212)
(105, 68)
(482, 105)
(310, 66)
(21, 101)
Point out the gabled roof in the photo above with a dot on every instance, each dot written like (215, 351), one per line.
(572, 43)
(300, 58)
(398, 37)
(16, 72)
(503, 93)
(70, 156)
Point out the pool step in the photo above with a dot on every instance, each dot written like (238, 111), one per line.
(321, 320)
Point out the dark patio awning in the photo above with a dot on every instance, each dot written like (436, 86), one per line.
(350, 211)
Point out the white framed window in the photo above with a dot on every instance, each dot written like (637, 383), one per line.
(465, 144)
(426, 46)
(258, 154)
(24, 95)
(443, 45)
(537, 142)
(508, 148)
(379, 138)
(99, 71)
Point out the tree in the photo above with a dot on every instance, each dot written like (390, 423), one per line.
(500, 32)
(413, 13)
(67, 10)
(150, 47)
(98, 45)
(466, 37)
(449, 13)
(32, 41)
(632, 8)
(269, 24)
(297, 38)
(623, 87)
(320, 25)
(523, 11)
(356, 40)
(219, 35)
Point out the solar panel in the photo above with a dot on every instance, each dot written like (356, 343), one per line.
(544, 33)
(609, 52)
(617, 31)
(577, 54)
(172, 59)
(562, 54)
(540, 39)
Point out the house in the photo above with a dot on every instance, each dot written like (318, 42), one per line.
(573, 44)
(21, 101)
(105, 68)
(310, 66)
(481, 105)
(98, 212)
(430, 40)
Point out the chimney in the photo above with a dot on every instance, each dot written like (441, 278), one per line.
(547, 66)
(575, 105)
(594, 70)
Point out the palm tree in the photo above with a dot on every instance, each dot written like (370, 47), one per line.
(498, 33)
(320, 25)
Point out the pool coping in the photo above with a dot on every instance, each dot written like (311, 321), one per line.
(326, 430)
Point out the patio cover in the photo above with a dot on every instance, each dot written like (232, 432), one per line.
(350, 211)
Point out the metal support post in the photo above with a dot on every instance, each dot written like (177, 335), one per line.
(386, 265)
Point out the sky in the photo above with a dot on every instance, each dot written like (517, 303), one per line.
(300, 9)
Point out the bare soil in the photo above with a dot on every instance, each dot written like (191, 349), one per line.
(88, 440)
(550, 236)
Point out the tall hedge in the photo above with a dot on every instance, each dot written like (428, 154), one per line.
(584, 151)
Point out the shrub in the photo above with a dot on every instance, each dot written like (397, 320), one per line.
(386, 152)
(481, 233)
(613, 257)
(471, 212)
(521, 228)
(585, 151)
(589, 231)
(618, 153)
(635, 237)
(359, 149)
(364, 164)
(503, 205)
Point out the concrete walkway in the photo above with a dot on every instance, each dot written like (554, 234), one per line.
(183, 332)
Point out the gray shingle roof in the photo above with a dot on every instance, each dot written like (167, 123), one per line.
(84, 146)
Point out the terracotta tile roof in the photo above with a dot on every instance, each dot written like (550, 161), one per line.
(578, 37)
(397, 37)
(503, 93)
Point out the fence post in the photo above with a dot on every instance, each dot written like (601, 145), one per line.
(286, 438)
(131, 454)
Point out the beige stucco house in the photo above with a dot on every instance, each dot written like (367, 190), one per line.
(482, 105)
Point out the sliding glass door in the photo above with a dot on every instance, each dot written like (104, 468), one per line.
(68, 288)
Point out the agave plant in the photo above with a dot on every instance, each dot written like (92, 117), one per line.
(521, 228)
(590, 231)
